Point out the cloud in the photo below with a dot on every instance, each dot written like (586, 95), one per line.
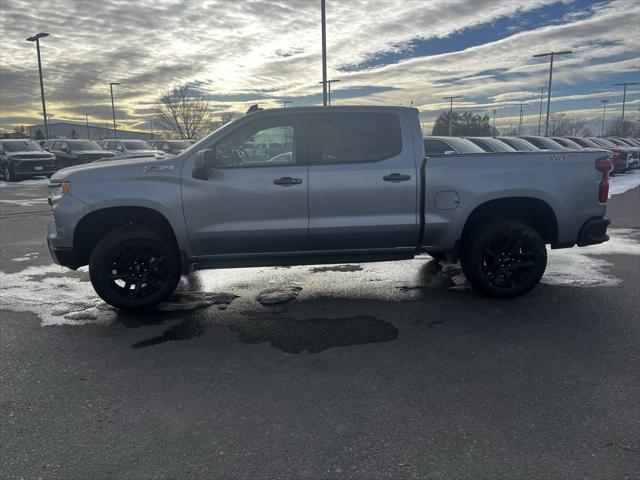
(265, 51)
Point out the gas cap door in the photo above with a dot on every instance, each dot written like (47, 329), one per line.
(447, 200)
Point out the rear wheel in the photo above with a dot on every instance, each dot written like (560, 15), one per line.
(133, 267)
(504, 258)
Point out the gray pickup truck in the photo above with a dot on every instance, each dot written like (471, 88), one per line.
(323, 185)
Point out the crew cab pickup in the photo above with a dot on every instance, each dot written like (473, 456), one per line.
(323, 185)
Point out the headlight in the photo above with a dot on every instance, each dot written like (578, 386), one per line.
(57, 191)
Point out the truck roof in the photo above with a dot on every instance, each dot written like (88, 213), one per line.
(339, 108)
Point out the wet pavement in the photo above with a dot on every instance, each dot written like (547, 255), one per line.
(385, 370)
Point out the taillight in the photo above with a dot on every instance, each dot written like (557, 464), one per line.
(603, 165)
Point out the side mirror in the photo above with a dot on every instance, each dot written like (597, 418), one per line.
(166, 148)
(205, 159)
(120, 148)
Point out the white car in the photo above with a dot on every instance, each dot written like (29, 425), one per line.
(131, 149)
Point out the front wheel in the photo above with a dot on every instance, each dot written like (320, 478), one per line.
(9, 176)
(133, 267)
(504, 258)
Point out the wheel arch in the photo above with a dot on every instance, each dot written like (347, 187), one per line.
(533, 211)
(98, 223)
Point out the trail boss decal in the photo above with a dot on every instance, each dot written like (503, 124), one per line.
(156, 168)
(565, 156)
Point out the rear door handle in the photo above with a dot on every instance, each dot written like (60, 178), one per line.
(396, 177)
(287, 181)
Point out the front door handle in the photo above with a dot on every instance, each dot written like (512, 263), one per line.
(287, 181)
(396, 177)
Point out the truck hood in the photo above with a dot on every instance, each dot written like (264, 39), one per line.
(104, 169)
(94, 152)
(30, 153)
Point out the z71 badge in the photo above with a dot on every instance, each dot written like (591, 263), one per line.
(156, 168)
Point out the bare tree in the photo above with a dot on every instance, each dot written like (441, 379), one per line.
(226, 117)
(562, 125)
(185, 111)
(618, 128)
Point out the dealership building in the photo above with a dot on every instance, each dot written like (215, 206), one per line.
(91, 132)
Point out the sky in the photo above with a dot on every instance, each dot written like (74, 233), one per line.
(384, 52)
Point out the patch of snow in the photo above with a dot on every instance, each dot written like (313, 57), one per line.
(26, 257)
(32, 182)
(26, 202)
(51, 293)
(577, 266)
(624, 182)
(274, 296)
(183, 301)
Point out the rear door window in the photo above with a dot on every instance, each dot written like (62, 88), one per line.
(355, 137)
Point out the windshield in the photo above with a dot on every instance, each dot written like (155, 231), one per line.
(462, 145)
(519, 144)
(544, 143)
(21, 146)
(137, 145)
(493, 144)
(602, 142)
(84, 146)
(178, 144)
(567, 143)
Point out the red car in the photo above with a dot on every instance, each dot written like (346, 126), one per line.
(619, 155)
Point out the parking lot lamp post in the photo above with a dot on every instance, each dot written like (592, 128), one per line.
(624, 99)
(113, 108)
(324, 52)
(86, 117)
(450, 110)
(36, 38)
(521, 115)
(540, 115)
(550, 54)
(285, 103)
(329, 82)
(604, 102)
(494, 119)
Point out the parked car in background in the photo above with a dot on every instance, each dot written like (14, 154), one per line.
(172, 147)
(24, 158)
(519, 144)
(608, 143)
(618, 155)
(490, 144)
(634, 151)
(131, 148)
(70, 152)
(449, 146)
(543, 143)
(565, 142)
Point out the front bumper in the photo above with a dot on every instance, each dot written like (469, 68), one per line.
(593, 232)
(63, 256)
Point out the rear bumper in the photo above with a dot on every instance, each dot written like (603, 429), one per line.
(594, 231)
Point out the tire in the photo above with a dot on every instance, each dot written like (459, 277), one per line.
(134, 267)
(8, 173)
(504, 258)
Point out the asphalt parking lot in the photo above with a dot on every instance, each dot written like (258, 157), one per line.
(390, 370)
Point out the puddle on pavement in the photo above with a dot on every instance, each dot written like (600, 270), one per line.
(183, 330)
(314, 335)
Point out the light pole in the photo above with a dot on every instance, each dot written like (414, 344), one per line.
(521, 117)
(328, 83)
(624, 100)
(450, 110)
(540, 116)
(324, 52)
(285, 103)
(550, 54)
(604, 102)
(494, 120)
(86, 117)
(113, 108)
(36, 38)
